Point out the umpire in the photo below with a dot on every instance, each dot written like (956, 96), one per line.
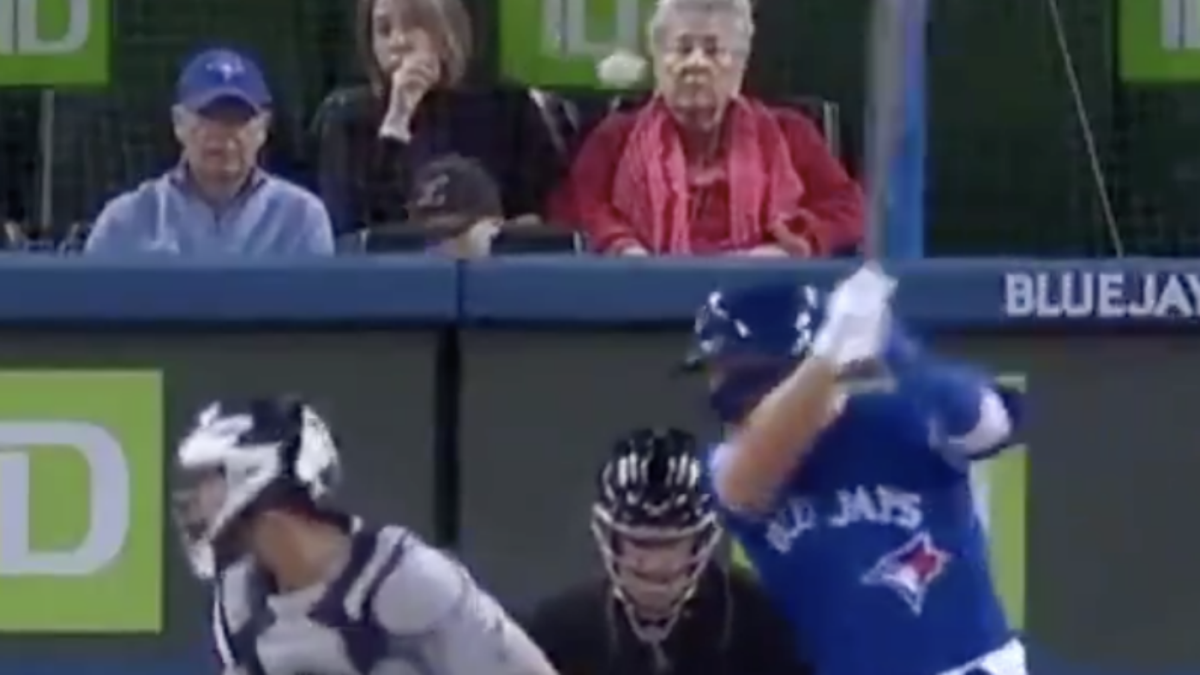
(665, 607)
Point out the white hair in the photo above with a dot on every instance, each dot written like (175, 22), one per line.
(739, 13)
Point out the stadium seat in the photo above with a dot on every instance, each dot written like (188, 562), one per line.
(590, 106)
(517, 240)
(827, 116)
(351, 243)
(74, 237)
(561, 118)
(564, 123)
(543, 239)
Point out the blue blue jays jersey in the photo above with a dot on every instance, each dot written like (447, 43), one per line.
(874, 550)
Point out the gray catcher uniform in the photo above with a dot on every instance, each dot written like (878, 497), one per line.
(397, 607)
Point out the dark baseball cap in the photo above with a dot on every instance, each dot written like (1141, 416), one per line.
(453, 193)
(222, 74)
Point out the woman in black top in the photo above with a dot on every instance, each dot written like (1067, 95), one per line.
(371, 139)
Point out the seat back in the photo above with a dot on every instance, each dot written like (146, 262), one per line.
(561, 119)
(564, 123)
(516, 240)
(826, 115)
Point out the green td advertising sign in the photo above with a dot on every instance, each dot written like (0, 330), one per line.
(557, 43)
(80, 501)
(54, 42)
(1160, 41)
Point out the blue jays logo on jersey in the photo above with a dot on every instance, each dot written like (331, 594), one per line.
(910, 570)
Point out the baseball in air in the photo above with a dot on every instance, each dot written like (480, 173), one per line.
(621, 69)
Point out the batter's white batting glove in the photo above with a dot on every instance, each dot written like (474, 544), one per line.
(857, 318)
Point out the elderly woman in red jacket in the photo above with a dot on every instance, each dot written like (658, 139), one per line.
(703, 170)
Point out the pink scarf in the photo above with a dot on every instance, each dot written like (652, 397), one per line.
(650, 187)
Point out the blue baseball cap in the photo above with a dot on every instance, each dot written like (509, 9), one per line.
(218, 74)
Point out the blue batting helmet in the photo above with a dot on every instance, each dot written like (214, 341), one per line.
(757, 335)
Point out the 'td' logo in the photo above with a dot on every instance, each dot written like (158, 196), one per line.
(107, 501)
(80, 501)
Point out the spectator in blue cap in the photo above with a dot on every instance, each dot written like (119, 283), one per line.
(217, 200)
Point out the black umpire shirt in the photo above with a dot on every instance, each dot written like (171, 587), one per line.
(729, 627)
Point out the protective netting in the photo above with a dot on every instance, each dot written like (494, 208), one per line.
(1009, 170)
(1014, 86)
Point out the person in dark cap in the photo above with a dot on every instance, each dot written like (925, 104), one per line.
(217, 200)
(458, 205)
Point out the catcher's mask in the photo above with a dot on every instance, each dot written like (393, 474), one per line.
(655, 526)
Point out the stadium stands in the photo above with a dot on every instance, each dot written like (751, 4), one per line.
(1000, 96)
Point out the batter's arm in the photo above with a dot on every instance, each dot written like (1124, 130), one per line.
(969, 417)
(749, 471)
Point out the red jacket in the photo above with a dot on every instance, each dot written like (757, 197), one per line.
(832, 204)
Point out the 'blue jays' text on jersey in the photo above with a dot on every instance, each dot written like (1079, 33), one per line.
(874, 550)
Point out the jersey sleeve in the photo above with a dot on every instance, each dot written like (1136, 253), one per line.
(447, 623)
(966, 416)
